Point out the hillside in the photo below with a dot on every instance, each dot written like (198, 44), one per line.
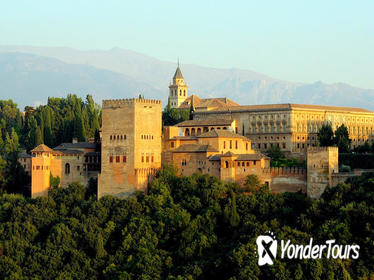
(119, 73)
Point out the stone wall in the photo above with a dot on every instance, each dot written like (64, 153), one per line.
(322, 162)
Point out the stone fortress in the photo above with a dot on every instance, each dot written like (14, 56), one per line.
(224, 139)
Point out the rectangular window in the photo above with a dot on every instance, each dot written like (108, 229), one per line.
(254, 162)
(124, 158)
(152, 159)
(117, 159)
(236, 144)
(111, 159)
(142, 158)
(230, 144)
(147, 158)
(78, 167)
(172, 144)
(284, 145)
(224, 144)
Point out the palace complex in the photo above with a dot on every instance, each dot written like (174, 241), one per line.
(224, 139)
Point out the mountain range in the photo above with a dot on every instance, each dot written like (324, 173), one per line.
(29, 75)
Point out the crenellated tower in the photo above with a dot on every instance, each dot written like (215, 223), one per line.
(178, 90)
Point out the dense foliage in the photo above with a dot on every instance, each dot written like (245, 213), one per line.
(60, 120)
(185, 228)
(340, 138)
(172, 116)
(278, 159)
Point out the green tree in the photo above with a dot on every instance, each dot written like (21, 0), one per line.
(326, 135)
(342, 139)
(39, 137)
(252, 183)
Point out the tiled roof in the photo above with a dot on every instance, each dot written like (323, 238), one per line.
(23, 154)
(255, 156)
(194, 148)
(79, 145)
(42, 148)
(205, 122)
(178, 74)
(240, 157)
(221, 133)
(198, 102)
(69, 152)
(285, 107)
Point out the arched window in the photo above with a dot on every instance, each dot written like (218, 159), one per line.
(193, 132)
(199, 131)
(187, 132)
(184, 92)
(226, 164)
(67, 168)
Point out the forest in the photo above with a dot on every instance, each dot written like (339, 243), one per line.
(193, 227)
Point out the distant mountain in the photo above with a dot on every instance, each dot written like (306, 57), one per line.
(29, 80)
(119, 73)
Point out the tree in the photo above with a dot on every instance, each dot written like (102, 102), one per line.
(252, 182)
(342, 139)
(275, 153)
(326, 135)
(39, 137)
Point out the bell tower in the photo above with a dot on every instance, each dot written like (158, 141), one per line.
(178, 90)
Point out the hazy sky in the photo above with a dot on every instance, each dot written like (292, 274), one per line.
(304, 41)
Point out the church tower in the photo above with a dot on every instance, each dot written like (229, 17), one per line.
(178, 90)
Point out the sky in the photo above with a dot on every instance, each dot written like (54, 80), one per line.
(300, 41)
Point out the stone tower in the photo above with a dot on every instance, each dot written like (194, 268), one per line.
(40, 173)
(322, 162)
(131, 145)
(178, 90)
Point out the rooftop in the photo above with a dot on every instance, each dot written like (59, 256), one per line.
(198, 102)
(221, 133)
(194, 148)
(205, 122)
(78, 145)
(42, 148)
(286, 107)
(178, 74)
(240, 157)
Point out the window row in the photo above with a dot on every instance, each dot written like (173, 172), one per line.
(181, 92)
(40, 167)
(245, 163)
(264, 146)
(146, 137)
(268, 128)
(117, 137)
(117, 158)
(147, 158)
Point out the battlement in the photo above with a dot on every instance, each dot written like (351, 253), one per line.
(284, 170)
(119, 102)
(321, 149)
